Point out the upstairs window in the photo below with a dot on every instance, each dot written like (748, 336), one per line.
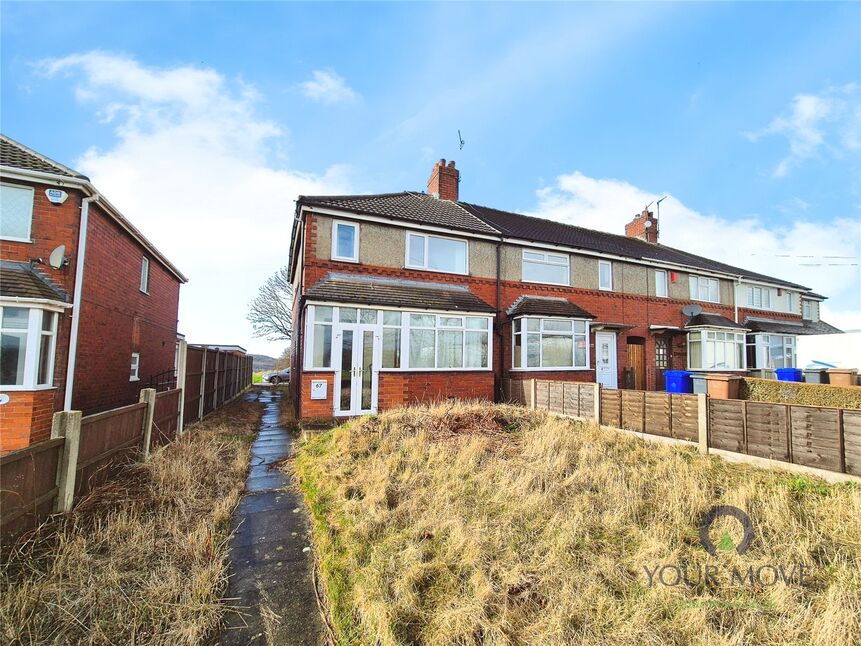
(16, 205)
(145, 275)
(540, 267)
(660, 283)
(435, 253)
(345, 241)
(705, 289)
(605, 275)
(807, 310)
(759, 298)
(28, 342)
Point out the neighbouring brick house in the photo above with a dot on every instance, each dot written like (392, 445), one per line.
(406, 297)
(83, 329)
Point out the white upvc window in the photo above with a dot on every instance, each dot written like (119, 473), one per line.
(28, 344)
(318, 347)
(550, 344)
(541, 267)
(704, 289)
(605, 275)
(661, 283)
(345, 241)
(759, 298)
(770, 351)
(16, 205)
(436, 253)
(807, 310)
(134, 374)
(145, 275)
(716, 349)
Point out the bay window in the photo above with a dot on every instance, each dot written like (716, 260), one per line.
(705, 289)
(770, 351)
(550, 343)
(28, 343)
(541, 267)
(716, 349)
(436, 253)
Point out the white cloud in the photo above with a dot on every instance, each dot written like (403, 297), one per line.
(189, 167)
(830, 120)
(821, 255)
(328, 87)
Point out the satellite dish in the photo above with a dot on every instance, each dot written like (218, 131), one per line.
(648, 224)
(58, 257)
(692, 310)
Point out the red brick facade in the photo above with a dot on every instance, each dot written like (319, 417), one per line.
(116, 318)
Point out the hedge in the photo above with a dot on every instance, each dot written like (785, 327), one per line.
(789, 392)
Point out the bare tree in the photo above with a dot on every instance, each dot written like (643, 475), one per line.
(283, 361)
(270, 312)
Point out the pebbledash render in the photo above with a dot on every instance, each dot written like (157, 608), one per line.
(410, 297)
(88, 305)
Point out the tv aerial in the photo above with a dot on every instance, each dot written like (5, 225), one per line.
(460, 140)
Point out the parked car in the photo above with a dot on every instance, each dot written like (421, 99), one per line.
(276, 377)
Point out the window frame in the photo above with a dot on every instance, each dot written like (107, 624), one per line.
(806, 309)
(696, 278)
(609, 265)
(135, 367)
(546, 261)
(761, 343)
(541, 331)
(425, 267)
(738, 343)
(663, 283)
(766, 301)
(32, 191)
(334, 250)
(144, 286)
(32, 345)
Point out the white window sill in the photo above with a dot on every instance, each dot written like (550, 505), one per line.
(11, 239)
(436, 369)
(134, 379)
(438, 271)
(24, 388)
(352, 260)
(143, 292)
(702, 300)
(581, 369)
(544, 282)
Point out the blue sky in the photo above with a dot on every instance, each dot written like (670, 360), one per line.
(203, 121)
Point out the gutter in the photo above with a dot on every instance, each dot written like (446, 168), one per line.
(77, 298)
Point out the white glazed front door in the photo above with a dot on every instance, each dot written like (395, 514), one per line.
(606, 372)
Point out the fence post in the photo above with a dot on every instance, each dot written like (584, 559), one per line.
(596, 397)
(181, 375)
(533, 394)
(202, 386)
(148, 397)
(703, 422)
(67, 424)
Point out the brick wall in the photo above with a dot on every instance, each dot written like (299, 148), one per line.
(26, 418)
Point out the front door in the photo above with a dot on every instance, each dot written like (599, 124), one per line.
(356, 369)
(605, 359)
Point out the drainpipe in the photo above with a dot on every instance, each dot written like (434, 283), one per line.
(498, 326)
(735, 296)
(76, 299)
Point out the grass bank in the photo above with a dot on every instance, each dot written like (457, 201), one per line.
(492, 524)
(142, 560)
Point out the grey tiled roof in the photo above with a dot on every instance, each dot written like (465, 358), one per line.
(712, 320)
(412, 207)
(547, 306)
(20, 280)
(389, 292)
(788, 327)
(18, 155)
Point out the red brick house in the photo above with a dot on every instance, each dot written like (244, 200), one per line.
(88, 305)
(405, 297)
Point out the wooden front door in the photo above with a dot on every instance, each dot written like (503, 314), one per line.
(637, 362)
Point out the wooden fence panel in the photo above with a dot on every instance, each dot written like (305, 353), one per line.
(767, 430)
(542, 395)
(587, 400)
(816, 437)
(194, 375)
(28, 486)
(165, 417)
(685, 413)
(726, 424)
(852, 441)
(611, 407)
(633, 410)
(659, 421)
(109, 440)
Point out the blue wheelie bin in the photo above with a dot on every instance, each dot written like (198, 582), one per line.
(678, 381)
(789, 374)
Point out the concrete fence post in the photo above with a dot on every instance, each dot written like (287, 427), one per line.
(181, 375)
(148, 397)
(533, 394)
(596, 398)
(703, 423)
(67, 424)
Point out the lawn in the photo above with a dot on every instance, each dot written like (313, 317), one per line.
(142, 560)
(471, 523)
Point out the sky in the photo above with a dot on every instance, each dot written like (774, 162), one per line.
(203, 122)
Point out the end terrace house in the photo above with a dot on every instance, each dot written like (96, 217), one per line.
(88, 305)
(408, 297)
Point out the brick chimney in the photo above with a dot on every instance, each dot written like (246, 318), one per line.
(444, 180)
(644, 226)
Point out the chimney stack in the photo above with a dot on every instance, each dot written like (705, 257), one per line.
(644, 226)
(444, 180)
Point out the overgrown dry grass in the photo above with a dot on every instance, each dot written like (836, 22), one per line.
(490, 524)
(143, 559)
